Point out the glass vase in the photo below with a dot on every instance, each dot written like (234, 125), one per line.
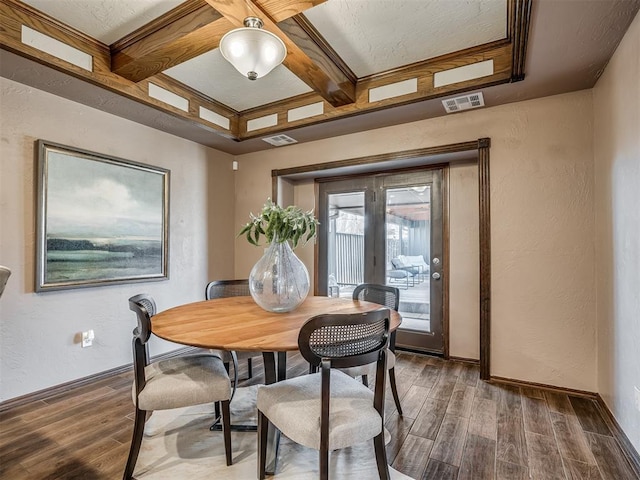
(279, 282)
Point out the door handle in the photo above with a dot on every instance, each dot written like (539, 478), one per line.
(435, 276)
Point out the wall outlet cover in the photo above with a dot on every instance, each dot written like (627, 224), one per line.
(87, 338)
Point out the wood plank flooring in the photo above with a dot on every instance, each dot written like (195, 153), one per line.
(454, 427)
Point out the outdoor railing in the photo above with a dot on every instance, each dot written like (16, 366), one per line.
(349, 258)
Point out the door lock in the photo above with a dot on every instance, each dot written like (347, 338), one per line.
(436, 261)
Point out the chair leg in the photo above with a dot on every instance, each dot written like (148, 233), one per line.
(394, 390)
(226, 431)
(249, 368)
(136, 441)
(381, 456)
(365, 380)
(324, 463)
(263, 425)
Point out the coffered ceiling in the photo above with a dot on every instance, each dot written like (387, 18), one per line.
(351, 64)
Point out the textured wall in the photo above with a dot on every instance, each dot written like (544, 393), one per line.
(617, 174)
(37, 331)
(464, 290)
(542, 224)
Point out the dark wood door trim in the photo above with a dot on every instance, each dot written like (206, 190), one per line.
(446, 261)
(482, 146)
(485, 257)
(372, 159)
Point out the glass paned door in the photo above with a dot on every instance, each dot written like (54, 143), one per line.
(344, 249)
(413, 255)
(387, 229)
(345, 243)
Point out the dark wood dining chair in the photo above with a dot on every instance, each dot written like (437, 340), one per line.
(344, 409)
(390, 298)
(224, 289)
(176, 382)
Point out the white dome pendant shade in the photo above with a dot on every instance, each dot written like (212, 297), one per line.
(254, 52)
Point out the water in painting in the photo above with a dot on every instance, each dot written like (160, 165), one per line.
(104, 220)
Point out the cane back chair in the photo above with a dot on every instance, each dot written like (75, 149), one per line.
(346, 410)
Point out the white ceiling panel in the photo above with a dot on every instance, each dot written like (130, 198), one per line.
(212, 75)
(373, 36)
(105, 20)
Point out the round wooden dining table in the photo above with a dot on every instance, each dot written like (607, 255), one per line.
(239, 324)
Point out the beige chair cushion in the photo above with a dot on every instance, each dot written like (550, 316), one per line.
(184, 381)
(293, 406)
(370, 369)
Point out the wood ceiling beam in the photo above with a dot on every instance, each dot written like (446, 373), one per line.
(507, 55)
(14, 15)
(280, 10)
(187, 31)
(311, 64)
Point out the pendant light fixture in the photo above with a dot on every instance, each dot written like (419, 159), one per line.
(254, 52)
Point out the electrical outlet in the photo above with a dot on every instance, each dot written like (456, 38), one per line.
(87, 338)
(637, 395)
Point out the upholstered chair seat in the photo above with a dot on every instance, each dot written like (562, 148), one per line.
(294, 407)
(183, 381)
(329, 410)
(176, 382)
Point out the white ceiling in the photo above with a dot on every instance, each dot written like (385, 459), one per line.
(105, 20)
(373, 36)
(569, 45)
(212, 75)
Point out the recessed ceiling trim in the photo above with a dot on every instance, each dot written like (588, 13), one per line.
(391, 90)
(306, 111)
(54, 47)
(262, 122)
(168, 97)
(462, 74)
(214, 117)
(15, 13)
(500, 54)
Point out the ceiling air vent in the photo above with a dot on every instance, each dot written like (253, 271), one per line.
(465, 102)
(279, 140)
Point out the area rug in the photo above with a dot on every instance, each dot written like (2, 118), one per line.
(178, 445)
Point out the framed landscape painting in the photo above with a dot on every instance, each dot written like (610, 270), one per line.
(101, 220)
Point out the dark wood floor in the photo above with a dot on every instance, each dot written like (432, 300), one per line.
(454, 427)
